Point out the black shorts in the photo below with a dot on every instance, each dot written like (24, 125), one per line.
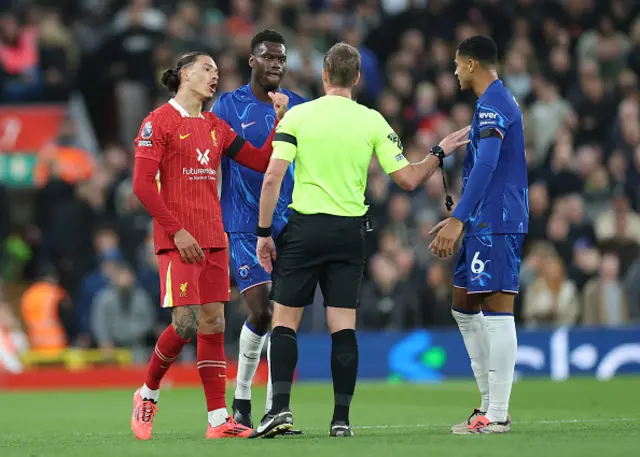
(320, 248)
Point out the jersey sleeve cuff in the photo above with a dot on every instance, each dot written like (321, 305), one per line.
(284, 151)
(173, 229)
(457, 213)
(396, 166)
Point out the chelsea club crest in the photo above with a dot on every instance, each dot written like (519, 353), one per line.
(244, 272)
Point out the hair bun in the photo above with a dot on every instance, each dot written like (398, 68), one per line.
(171, 79)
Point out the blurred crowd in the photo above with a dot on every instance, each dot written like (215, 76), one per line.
(573, 65)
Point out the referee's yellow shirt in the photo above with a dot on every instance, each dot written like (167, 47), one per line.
(332, 140)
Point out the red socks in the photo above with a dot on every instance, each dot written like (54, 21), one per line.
(212, 367)
(167, 349)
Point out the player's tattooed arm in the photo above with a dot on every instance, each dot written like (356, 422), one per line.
(185, 320)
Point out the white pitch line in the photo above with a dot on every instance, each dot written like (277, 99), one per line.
(541, 422)
(586, 421)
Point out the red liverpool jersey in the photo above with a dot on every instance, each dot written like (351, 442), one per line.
(188, 150)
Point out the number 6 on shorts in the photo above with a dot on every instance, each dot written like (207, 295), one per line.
(489, 263)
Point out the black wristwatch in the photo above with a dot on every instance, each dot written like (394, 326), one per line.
(438, 152)
(263, 232)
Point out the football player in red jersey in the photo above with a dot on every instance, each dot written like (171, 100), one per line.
(178, 150)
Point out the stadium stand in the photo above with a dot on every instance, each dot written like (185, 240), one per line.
(573, 66)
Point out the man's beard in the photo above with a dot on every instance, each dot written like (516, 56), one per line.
(270, 87)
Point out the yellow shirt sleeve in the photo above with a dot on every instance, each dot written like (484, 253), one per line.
(285, 142)
(387, 145)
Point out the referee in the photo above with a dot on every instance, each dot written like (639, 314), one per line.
(332, 140)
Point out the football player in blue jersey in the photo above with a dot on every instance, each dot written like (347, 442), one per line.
(249, 111)
(493, 212)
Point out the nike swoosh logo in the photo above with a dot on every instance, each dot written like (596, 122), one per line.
(262, 427)
(182, 137)
(244, 126)
(220, 375)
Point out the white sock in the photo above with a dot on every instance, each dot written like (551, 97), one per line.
(503, 345)
(269, 402)
(218, 417)
(476, 339)
(248, 360)
(149, 394)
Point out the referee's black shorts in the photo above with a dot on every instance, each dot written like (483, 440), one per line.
(320, 248)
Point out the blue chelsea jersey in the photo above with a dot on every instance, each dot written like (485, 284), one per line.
(505, 206)
(253, 120)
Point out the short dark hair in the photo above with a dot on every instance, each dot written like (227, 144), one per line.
(481, 48)
(342, 64)
(266, 35)
(171, 76)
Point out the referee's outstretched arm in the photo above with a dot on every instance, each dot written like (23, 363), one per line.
(414, 174)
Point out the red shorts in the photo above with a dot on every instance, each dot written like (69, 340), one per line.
(183, 284)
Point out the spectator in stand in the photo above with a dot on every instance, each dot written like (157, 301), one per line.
(546, 116)
(516, 77)
(20, 77)
(371, 79)
(92, 284)
(386, 302)
(619, 221)
(120, 316)
(402, 222)
(436, 297)
(607, 46)
(533, 265)
(605, 302)
(552, 300)
(131, 222)
(137, 30)
(586, 262)
(538, 211)
(47, 313)
(58, 57)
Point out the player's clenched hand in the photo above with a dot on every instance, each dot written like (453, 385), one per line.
(188, 247)
(266, 253)
(454, 140)
(445, 240)
(280, 103)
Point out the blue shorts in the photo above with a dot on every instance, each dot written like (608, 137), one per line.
(246, 269)
(489, 263)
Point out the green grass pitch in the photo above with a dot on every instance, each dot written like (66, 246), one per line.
(581, 418)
